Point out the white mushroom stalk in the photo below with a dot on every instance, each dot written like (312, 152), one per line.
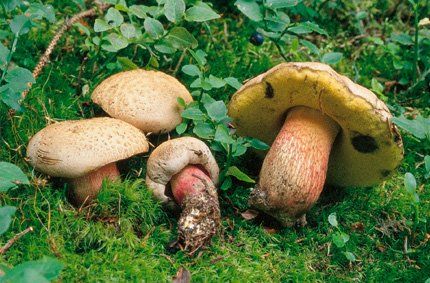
(183, 173)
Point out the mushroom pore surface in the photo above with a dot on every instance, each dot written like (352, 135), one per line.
(294, 170)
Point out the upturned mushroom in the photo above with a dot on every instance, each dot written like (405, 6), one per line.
(183, 173)
(84, 152)
(323, 129)
(145, 99)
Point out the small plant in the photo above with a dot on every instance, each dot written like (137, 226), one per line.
(340, 238)
(271, 21)
(209, 120)
(14, 80)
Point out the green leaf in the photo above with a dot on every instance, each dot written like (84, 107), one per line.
(222, 135)
(181, 128)
(257, 144)
(235, 172)
(278, 4)
(193, 113)
(427, 165)
(191, 70)
(420, 127)
(113, 17)
(40, 11)
(216, 82)
(338, 239)
(165, 46)
(332, 219)
(4, 54)
(204, 131)
(233, 82)
(200, 56)
(181, 38)
(10, 176)
(250, 8)
(200, 14)
(207, 99)
(11, 4)
(349, 256)
(20, 25)
(332, 58)
(181, 102)
(11, 97)
(154, 28)
(128, 30)
(138, 10)
(6, 213)
(402, 38)
(309, 45)
(238, 150)
(118, 41)
(174, 10)
(21, 75)
(314, 27)
(101, 25)
(126, 64)
(226, 184)
(410, 183)
(217, 110)
(44, 270)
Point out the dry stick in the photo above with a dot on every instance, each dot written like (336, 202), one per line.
(65, 27)
(14, 239)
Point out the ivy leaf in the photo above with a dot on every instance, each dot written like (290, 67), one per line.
(174, 10)
(153, 27)
(250, 9)
(234, 171)
(181, 38)
(10, 176)
(6, 213)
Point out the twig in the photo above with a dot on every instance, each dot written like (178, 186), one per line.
(14, 239)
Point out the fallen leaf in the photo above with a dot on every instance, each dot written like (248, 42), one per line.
(357, 226)
(182, 276)
(216, 259)
(249, 214)
(269, 230)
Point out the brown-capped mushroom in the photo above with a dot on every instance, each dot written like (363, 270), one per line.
(145, 99)
(84, 152)
(183, 172)
(323, 129)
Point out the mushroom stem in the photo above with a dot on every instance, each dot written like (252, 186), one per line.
(294, 170)
(86, 189)
(200, 217)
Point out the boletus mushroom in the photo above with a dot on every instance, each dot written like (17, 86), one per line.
(84, 152)
(183, 174)
(323, 129)
(145, 99)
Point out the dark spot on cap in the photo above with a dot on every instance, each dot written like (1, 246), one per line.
(269, 91)
(364, 143)
(385, 173)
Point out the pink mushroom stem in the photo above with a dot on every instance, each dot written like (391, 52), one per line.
(294, 170)
(86, 189)
(191, 180)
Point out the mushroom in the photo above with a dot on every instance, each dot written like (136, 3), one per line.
(84, 152)
(145, 99)
(183, 172)
(323, 129)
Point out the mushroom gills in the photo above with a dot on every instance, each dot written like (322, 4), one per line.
(294, 170)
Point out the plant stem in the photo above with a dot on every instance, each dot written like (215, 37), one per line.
(227, 165)
(416, 44)
(9, 58)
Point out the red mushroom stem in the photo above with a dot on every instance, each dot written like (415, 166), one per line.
(86, 188)
(295, 168)
(200, 217)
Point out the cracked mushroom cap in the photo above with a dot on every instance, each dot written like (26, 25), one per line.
(369, 147)
(169, 158)
(72, 149)
(145, 99)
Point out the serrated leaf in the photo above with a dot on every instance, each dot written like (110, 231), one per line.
(193, 113)
(128, 30)
(332, 219)
(126, 64)
(153, 27)
(10, 176)
(181, 38)
(181, 128)
(113, 17)
(101, 25)
(191, 70)
(238, 174)
(222, 135)
(332, 58)
(6, 213)
(200, 14)
(204, 131)
(174, 10)
(217, 110)
(250, 8)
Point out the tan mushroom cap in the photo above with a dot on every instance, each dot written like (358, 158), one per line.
(369, 147)
(72, 149)
(170, 158)
(145, 99)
